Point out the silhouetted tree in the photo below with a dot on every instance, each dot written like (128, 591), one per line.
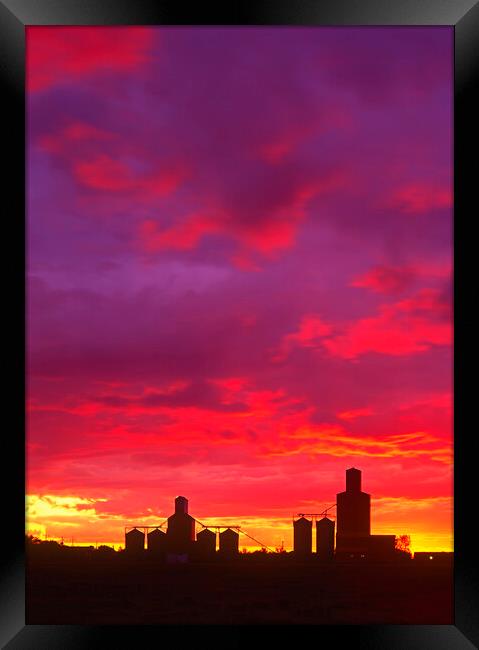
(403, 543)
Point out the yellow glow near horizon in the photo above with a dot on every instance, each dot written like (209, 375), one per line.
(73, 517)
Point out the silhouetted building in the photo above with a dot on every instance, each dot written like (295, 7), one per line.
(303, 536)
(353, 509)
(205, 543)
(325, 538)
(156, 541)
(229, 543)
(180, 534)
(381, 547)
(369, 547)
(134, 541)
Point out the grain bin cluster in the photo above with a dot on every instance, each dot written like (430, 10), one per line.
(180, 543)
(343, 536)
(353, 539)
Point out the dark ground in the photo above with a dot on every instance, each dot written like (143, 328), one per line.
(115, 590)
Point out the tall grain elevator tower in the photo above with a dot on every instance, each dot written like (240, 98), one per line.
(353, 509)
(180, 534)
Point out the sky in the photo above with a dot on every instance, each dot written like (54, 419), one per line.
(239, 277)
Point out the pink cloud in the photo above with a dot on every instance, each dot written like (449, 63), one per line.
(273, 231)
(310, 334)
(73, 133)
(404, 328)
(278, 216)
(182, 236)
(407, 327)
(275, 151)
(432, 400)
(244, 262)
(56, 55)
(105, 173)
(355, 413)
(420, 198)
(390, 279)
(386, 279)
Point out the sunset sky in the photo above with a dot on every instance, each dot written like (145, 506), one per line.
(239, 256)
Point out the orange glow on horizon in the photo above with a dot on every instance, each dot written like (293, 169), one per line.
(58, 517)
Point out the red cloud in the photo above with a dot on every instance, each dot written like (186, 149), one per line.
(269, 236)
(310, 334)
(105, 173)
(426, 301)
(404, 328)
(274, 152)
(275, 229)
(182, 236)
(389, 279)
(355, 413)
(386, 279)
(244, 262)
(410, 326)
(266, 238)
(278, 148)
(58, 54)
(433, 400)
(74, 132)
(420, 198)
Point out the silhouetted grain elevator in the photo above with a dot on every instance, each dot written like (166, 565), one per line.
(181, 528)
(353, 516)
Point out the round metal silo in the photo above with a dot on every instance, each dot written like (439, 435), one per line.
(206, 543)
(325, 538)
(229, 543)
(134, 541)
(156, 541)
(303, 536)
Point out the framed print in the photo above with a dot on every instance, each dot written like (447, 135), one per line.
(241, 278)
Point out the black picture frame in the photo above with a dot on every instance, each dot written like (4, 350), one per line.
(463, 17)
